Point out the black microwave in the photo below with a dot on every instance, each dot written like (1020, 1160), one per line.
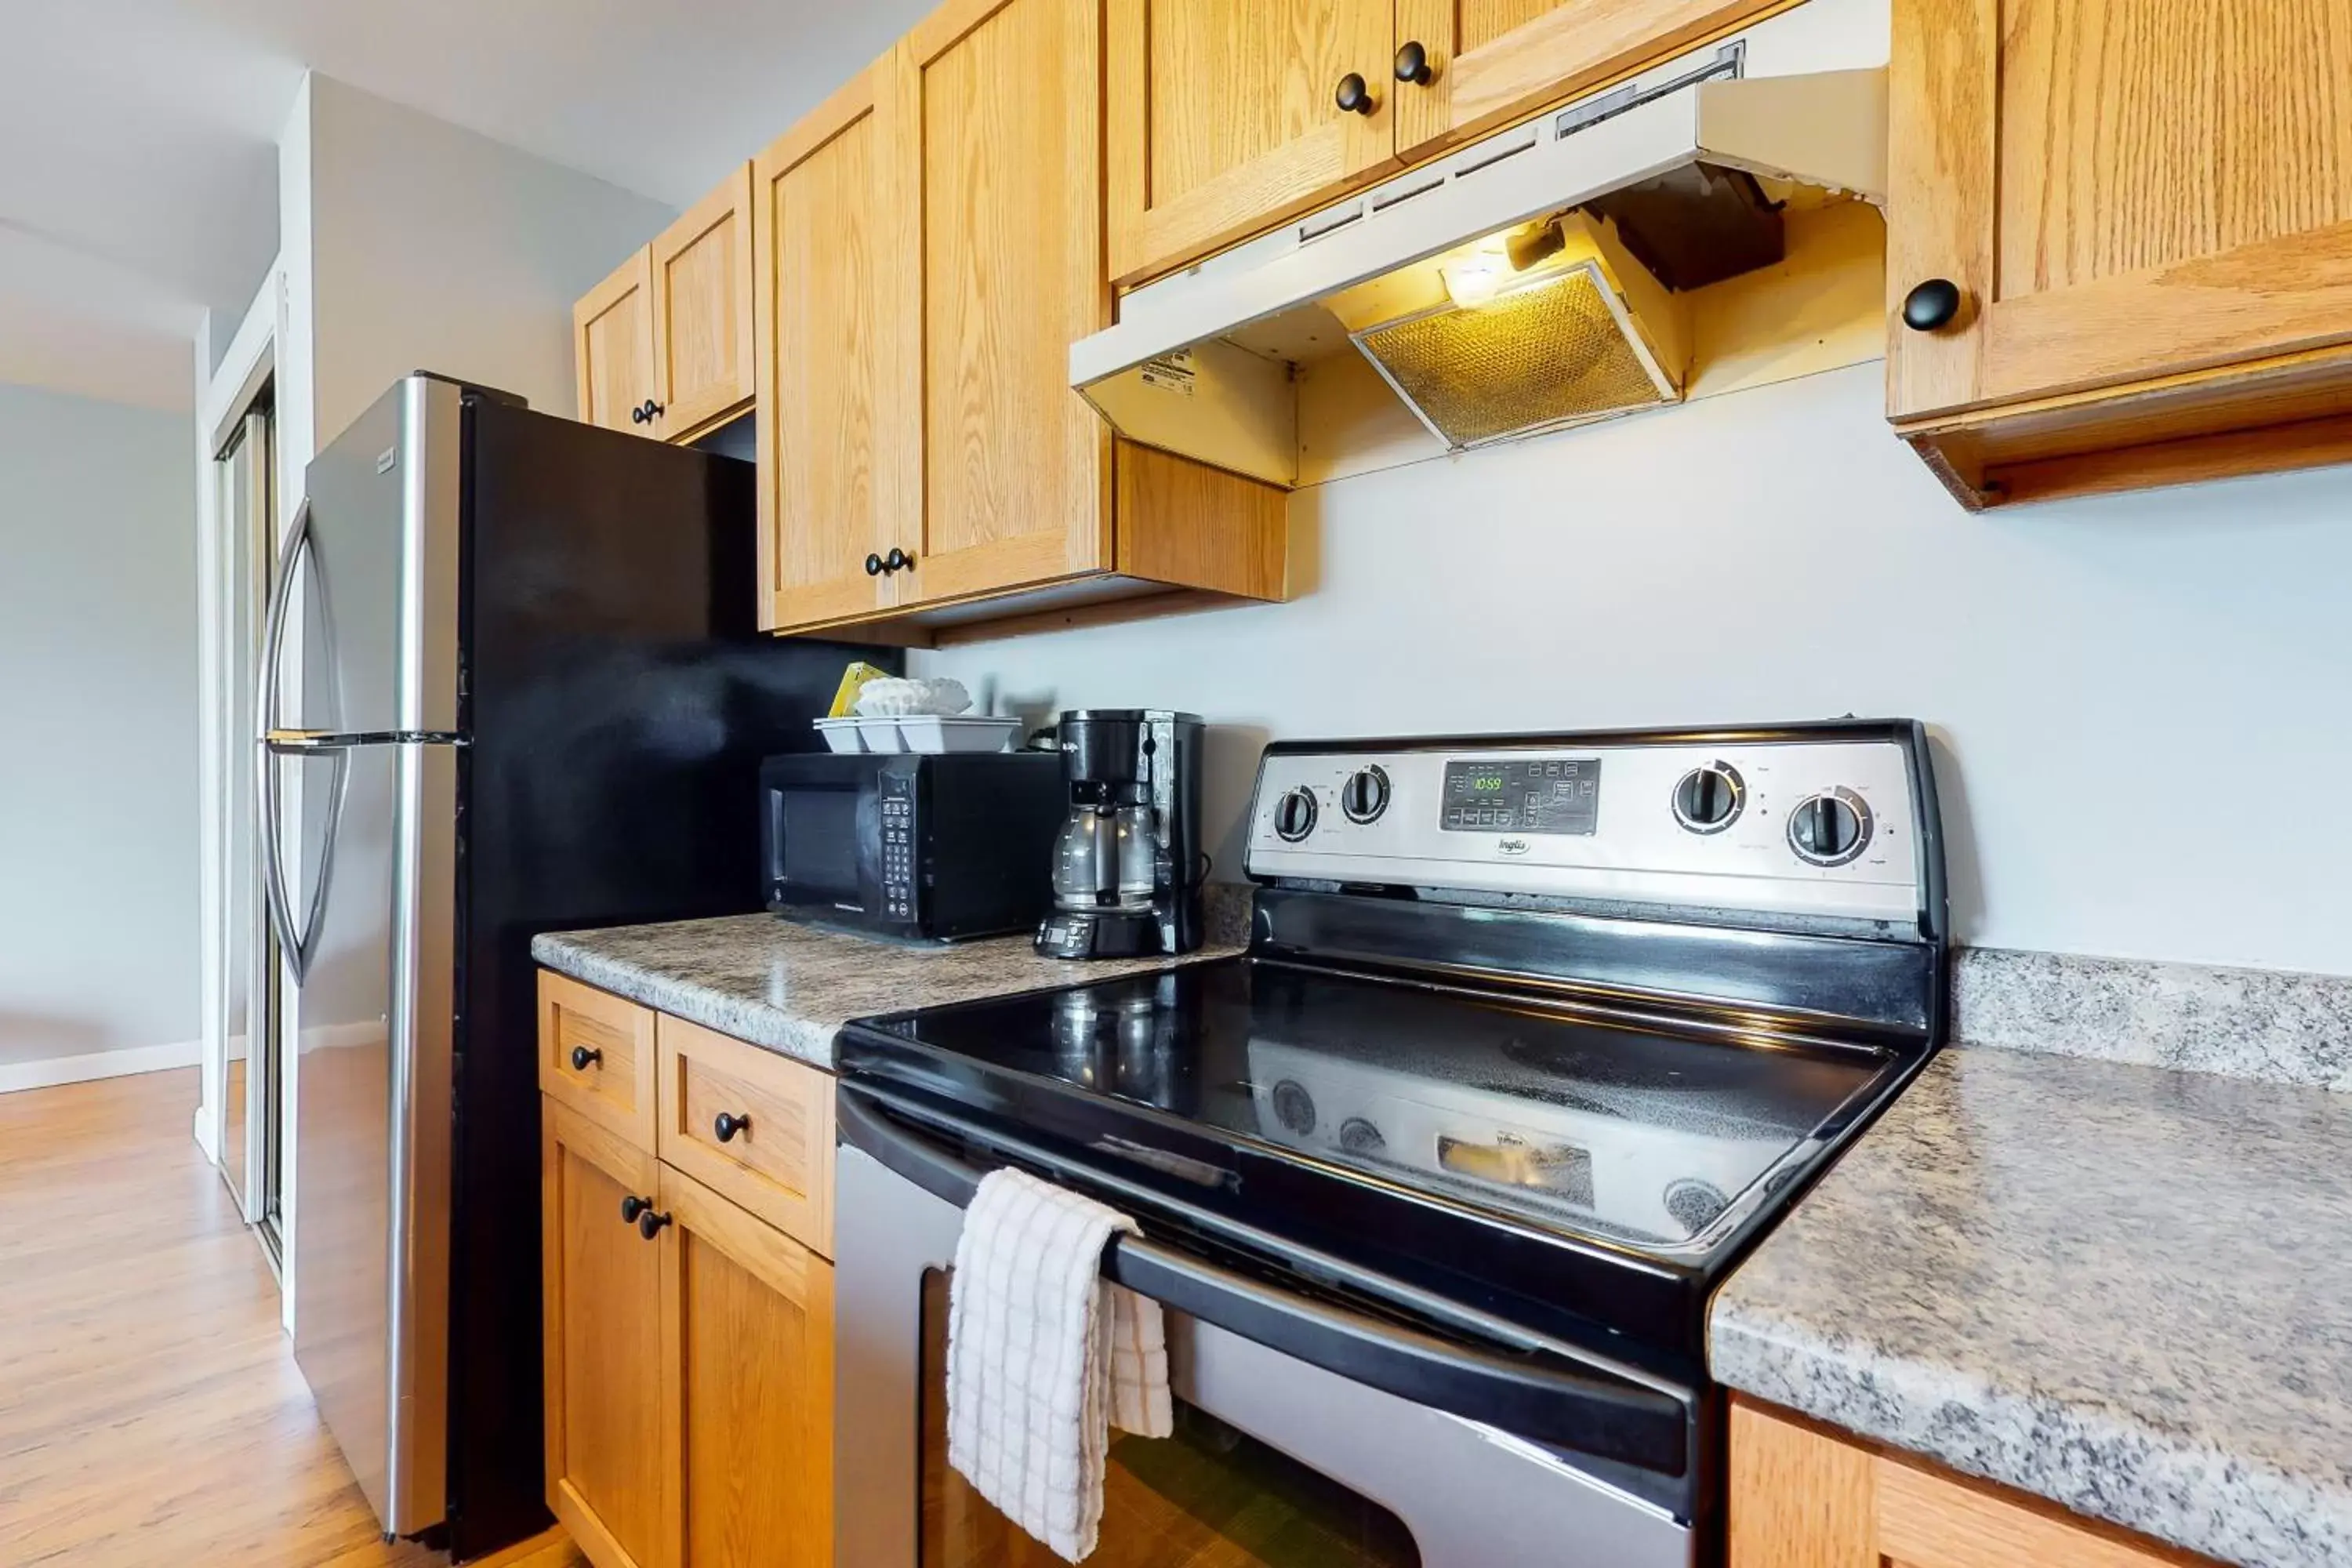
(926, 846)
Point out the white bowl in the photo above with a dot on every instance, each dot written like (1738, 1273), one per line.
(842, 734)
(881, 735)
(929, 732)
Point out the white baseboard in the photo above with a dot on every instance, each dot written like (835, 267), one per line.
(91, 1065)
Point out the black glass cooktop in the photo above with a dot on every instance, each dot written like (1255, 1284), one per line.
(1641, 1136)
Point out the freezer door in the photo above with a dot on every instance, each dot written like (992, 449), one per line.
(371, 1136)
(368, 640)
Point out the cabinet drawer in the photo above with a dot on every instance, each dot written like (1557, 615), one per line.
(776, 1157)
(596, 1056)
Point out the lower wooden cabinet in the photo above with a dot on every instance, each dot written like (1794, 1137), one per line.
(1803, 1496)
(607, 1478)
(746, 1387)
(689, 1337)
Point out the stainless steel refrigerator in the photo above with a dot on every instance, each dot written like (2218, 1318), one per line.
(511, 682)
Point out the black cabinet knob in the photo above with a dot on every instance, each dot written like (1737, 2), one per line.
(874, 566)
(583, 1058)
(1413, 64)
(639, 415)
(898, 561)
(1355, 95)
(649, 1223)
(726, 1126)
(1932, 306)
(632, 1206)
(652, 410)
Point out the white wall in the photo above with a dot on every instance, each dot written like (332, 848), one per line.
(2143, 703)
(97, 728)
(410, 244)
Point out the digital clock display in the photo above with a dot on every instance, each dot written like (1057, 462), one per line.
(1530, 794)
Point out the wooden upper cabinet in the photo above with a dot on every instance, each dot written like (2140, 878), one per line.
(1000, 470)
(747, 1350)
(612, 348)
(822, 354)
(602, 1305)
(1223, 117)
(700, 273)
(2145, 210)
(1485, 63)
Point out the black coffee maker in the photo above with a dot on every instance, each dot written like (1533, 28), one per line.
(1127, 865)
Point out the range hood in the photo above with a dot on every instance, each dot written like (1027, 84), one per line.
(1540, 278)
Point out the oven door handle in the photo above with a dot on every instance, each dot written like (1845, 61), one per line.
(1545, 1392)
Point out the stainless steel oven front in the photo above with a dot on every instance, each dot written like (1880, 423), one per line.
(1306, 1432)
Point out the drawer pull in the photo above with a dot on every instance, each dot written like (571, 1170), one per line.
(726, 1126)
(1355, 95)
(649, 1223)
(583, 1058)
(632, 1206)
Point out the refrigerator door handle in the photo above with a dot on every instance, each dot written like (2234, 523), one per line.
(298, 942)
(292, 942)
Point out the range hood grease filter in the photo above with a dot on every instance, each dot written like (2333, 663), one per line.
(1556, 349)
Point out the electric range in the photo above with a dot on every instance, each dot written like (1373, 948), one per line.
(1534, 1037)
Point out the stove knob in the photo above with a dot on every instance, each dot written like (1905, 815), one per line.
(1830, 828)
(1358, 1136)
(1709, 799)
(1365, 795)
(1294, 815)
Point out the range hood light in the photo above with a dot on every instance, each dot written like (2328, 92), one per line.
(1472, 283)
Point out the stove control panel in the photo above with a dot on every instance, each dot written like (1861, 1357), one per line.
(1815, 824)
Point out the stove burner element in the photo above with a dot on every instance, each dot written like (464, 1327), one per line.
(1293, 1107)
(1694, 1205)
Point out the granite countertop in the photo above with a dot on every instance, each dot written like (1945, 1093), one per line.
(2125, 1288)
(789, 988)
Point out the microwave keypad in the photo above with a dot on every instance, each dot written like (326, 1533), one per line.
(899, 858)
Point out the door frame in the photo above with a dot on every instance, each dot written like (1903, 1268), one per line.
(247, 368)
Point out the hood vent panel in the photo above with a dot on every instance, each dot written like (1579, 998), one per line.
(1540, 278)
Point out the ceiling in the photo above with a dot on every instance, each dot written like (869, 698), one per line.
(138, 186)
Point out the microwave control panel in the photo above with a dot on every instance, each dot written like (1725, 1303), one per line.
(897, 806)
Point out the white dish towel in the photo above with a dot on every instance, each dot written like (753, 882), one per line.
(1045, 1356)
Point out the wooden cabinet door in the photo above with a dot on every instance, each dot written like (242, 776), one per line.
(607, 1480)
(1224, 118)
(821, 358)
(700, 271)
(747, 1343)
(2121, 190)
(1488, 62)
(612, 348)
(996, 191)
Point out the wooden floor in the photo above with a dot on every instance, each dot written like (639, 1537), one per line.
(151, 1416)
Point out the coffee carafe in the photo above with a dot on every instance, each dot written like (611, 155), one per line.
(1127, 866)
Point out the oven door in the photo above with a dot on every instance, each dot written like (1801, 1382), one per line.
(1304, 1433)
(821, 833)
